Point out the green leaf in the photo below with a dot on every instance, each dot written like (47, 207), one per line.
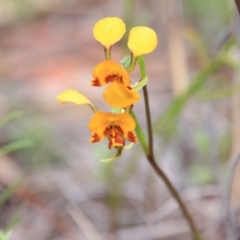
(129, 146)
(140, 134)
(140, 84)
(216, 94)
(126, 61)
(111, 159)
(5, 235)
(115, 157)
(8, 192)
(10, 116)
(14, 146)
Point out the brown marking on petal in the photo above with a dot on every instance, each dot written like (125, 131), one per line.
(110, 144)
(132, 137)
(114, 78)
(95, 82)
(119, 140)
(129, 87)
(115, 136)
(110, 78)
(119, 79)
(95, 138)
(106, 131)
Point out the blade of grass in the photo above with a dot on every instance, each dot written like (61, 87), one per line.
(14, 146)
(10, 116)
(8, 192)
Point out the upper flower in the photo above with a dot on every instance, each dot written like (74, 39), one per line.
(116, 127)
(119, 93)
(110, 71)
(109, 30)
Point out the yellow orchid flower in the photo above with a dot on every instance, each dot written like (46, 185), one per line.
(110, 71)
(142, 40)
(118, 94)
(116, 127)
(108, 31)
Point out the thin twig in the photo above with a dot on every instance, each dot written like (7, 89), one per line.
(152, 160)
(175, 194)
(149, 121)
(238, 5)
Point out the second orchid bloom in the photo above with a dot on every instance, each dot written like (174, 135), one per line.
(118, 125)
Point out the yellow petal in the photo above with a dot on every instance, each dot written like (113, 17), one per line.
(142, 40)
(101, 120)
(98, 121)
(126, 121)
(109, 71)
(72, 96)
(109, 30)
(119, 96)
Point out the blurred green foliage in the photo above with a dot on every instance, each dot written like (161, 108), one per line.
(166, 122)
(5, 235)
(210, 17)
(6, 149)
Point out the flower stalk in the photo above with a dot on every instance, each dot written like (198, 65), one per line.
(151, 158)
(107, 53)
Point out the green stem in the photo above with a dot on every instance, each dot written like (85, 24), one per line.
(140, 134)
(132, 63)
(107, 52)
(151, 158)
(149, 121)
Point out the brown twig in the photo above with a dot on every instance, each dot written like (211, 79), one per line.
(238, 5)
(151, 158)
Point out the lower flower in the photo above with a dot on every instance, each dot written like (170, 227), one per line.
(116, 127)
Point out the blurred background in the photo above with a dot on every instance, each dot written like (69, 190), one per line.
(52, 183)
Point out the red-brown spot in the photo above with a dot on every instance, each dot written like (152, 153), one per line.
(115, 136)
(114, 78)
(119, 79)
(132, 137)
(110, 78)
(95, 138)
(95, 82)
